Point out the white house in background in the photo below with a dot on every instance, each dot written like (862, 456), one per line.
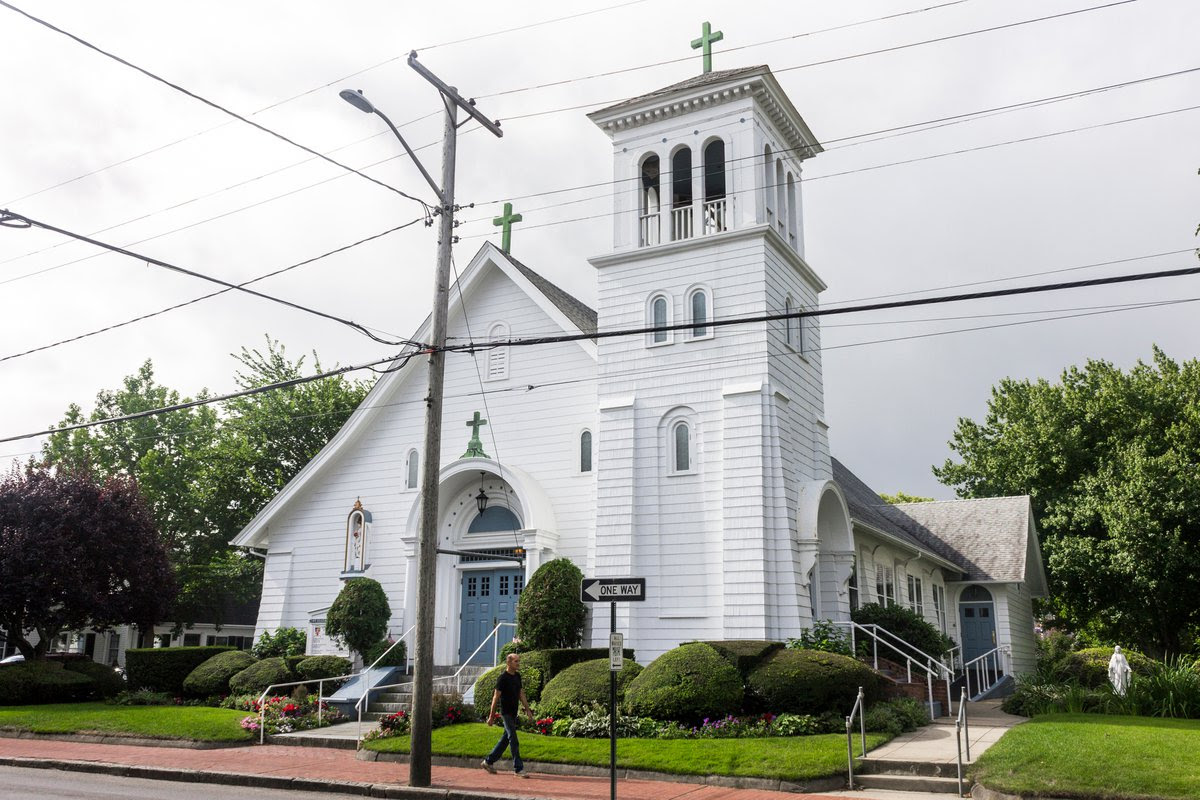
(697, 458)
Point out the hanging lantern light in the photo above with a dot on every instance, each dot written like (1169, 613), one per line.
(481, 499)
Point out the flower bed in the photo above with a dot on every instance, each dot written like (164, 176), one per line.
(283, 714)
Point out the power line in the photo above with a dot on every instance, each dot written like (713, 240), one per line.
(195, 300)
(6, 215)
(210, 103)
(531, 25)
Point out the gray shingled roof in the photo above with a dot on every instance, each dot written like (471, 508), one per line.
(580, 314)
(989, 536)
(691, 83)
(865, 506)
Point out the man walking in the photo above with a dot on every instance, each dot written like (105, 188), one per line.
(508, 692)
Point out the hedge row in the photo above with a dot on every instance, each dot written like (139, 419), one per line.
(43, 682)
(688, 683)
(583, 684)
(164, 669)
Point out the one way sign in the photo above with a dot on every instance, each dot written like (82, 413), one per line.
(612, 590)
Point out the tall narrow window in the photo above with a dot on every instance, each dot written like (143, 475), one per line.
(659, 319)
(497, 365)
(651, 202)
(699, 313)
(413, 470)
(916, 595)
(939, 606)
(780, 195)
(682, 455)
(585, 451)
(768, 193)
(792, 220)
(714, 187)
(852, 588)
(681, 178)
(789, 324)
(885, 586)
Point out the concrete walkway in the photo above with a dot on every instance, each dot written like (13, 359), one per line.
(937, 744)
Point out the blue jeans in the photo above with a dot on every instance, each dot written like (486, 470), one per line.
(508, 739)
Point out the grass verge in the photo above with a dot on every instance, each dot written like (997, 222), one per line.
(1096, 756)
(197, 723)
(791, 758)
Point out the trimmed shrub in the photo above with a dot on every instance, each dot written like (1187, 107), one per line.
(212, 677)
(811, 682)
(905, 623)
(359, 616)
(745, 654)
(1090, 666)
(555, 660)
(108, 682)
(291, 662)
(284, 642)
(317, 667)
(398, 657)
(259, 675)
(688, 683)
(485, 687)
(42, 682)
(583, 684)
(550, 613)
(164, 669)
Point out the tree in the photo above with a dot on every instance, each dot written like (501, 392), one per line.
(1109, 459)
(76, 552)
(359, 615)
(904, 497)
(550, 613)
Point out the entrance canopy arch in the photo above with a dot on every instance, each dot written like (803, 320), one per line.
(826, 544)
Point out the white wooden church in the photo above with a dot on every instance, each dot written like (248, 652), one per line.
(697, 458)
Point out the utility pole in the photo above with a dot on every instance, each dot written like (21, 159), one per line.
(422, 703)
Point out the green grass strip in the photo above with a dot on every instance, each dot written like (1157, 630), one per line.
(1096, 756)
(791, 758)
(197, 723)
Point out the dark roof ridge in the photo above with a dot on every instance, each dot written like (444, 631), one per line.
(580, 313)
(960, 500)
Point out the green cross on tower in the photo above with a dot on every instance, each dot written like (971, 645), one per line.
(475, 447)
(707, 37)
(506, 221)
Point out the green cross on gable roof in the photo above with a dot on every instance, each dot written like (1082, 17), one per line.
(475, 447)
(506, 221)
(707, 37)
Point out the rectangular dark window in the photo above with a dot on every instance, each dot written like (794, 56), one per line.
(485, 586)
(472, 587)
(983, 612)
(191, 640)
(503, 589)
(970, 613)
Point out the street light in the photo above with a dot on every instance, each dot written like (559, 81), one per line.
(356, 98)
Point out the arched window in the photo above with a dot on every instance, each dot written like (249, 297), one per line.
(789, 324)
(495, 519)
(355, 559)
(791, 209)
(497, 365)
(767, 181)
(585, 451)
(658, 316)
(681, 448)
(714, 186)
(699, 310)
(681, 194)
(412, 470)
(651, 201)
(780, 195)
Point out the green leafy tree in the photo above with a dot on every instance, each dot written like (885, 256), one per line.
(550, 613)
(359, 615)
(1109, 459)
(904, 497)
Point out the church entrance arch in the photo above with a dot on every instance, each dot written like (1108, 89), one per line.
(977, 621)
(826, 549)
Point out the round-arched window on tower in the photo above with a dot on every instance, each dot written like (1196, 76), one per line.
(495, 519)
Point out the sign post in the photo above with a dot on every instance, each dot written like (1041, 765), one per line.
(613, 591)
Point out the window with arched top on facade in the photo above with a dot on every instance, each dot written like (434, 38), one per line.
(698, 313)
(681, 447)
(357, 524)
(780, 196)
(658, 315)
(650, 201)
(497, 363)
(792, 219)
(768, 172)
(412, 470)
(714, 187)
(585, 451)
(682, 225)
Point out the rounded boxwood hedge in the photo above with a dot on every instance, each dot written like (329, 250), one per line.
(42, 682)
(1090, 665)
(396, 657)
(212, 677)
(688, 683)
(584, 683)
(810, 682)
(317, 667)
(485, 687)
(163, 669)
(255, 678)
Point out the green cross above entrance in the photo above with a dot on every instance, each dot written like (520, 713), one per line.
(707, 37)
(506, 221)
(475, 447)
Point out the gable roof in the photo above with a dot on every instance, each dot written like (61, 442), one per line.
(572, 315)
(693, 82)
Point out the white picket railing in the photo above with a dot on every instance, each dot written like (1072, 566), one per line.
(648, 234)
(681, 223)
(714, 216)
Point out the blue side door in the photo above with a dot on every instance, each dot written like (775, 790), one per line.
(978, 629)
(488, 597)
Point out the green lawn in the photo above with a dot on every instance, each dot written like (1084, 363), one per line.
(1096, 756)
(153, 722)
(794, 758)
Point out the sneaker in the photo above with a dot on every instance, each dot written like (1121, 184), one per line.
(488, 767)
(521, 774)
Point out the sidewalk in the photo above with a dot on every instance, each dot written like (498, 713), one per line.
(938, 744)
(334, 770)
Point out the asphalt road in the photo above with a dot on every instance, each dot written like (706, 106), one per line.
(19, 783)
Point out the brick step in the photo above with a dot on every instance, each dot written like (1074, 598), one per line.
(927, 769)
(908, 783)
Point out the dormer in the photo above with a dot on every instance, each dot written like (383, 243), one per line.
(713, 154)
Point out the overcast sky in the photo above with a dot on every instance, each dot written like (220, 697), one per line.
(233, 202)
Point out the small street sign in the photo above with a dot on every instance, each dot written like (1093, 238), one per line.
(612, 590)
(616, 651)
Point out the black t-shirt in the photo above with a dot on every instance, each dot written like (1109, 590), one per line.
(509, 687)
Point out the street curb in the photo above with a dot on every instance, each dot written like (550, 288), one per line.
(252, 781)
(117, 738)
(547, 768)
(981, 792)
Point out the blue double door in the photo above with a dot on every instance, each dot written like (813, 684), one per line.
(489, 597)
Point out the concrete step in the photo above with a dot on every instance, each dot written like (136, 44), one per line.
(927, 769)
(908, 783)
(387, 708)
(392, 697)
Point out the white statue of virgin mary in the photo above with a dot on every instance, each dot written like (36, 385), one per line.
(1119, 671)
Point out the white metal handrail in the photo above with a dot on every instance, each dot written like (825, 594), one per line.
(366, 695)
(911, 653)
(862, 732)
(979, 667)
(961, 727)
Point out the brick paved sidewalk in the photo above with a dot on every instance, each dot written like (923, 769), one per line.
(340, 769)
